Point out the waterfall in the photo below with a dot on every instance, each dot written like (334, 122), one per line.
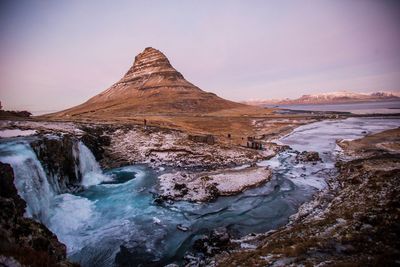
(89, 168)
(29, 178)
(39, 189)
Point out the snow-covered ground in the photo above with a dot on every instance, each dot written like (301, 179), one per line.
(205, 186)
(66, 127)
(158, 147)
(16, 132)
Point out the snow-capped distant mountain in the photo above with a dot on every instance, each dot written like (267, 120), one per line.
(330, 98)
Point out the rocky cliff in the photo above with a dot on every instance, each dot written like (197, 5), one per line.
(23, 240)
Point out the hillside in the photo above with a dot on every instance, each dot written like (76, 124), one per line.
(152, 87)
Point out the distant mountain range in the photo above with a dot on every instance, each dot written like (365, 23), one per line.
(328, 98)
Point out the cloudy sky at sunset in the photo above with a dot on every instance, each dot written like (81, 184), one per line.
(56, 54)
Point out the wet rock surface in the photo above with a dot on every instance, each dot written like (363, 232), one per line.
(23, 240)
(97, 139)
(213, 242)
(208, 245)
(8, 190)
(59, 162)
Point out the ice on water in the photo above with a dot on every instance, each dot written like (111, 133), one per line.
(95, 223)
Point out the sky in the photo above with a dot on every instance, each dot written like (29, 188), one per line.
(57, 54)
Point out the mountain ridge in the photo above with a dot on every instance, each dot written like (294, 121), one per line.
(329, 98)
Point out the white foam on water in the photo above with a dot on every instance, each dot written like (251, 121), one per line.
(29, 178)
(71, 214)
(90, 168)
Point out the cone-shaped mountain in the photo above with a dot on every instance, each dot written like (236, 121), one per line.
(151, 86)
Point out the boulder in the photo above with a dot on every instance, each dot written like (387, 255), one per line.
(308, 156)
(214, 242)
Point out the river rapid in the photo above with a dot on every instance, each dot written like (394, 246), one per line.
(115, 221)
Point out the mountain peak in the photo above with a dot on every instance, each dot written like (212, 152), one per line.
(148, 54)
(151, 66)
(151, 85)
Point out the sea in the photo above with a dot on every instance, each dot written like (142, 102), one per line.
(378, 107)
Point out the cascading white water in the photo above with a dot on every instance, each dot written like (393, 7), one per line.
(30, 178)
(89, 168)
(31, 181)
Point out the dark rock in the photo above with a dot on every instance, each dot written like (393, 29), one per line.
(212, 191)
(135, 257)
(216, 241)
(178, 186)
(8, 190)
(182, 189)
(158, 200)
(308, 156)
(96, 140)
(58, 160)
(280, 148)
(27, 241)
(12, 113)
(161, 200)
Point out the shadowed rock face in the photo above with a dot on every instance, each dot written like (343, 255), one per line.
(27, 241)
(58, 160)
(153, 86)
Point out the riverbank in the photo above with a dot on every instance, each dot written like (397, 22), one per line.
(263, 192)
(162, 148)
(353, 222)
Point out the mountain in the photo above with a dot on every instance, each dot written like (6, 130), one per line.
(151, 86)
(329, 98)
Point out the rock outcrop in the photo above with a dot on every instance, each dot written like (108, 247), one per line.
(14, 114)
(97, 139)
(308, 156)
(151, 86)
(59, 162)
(152, 69)
(23, 240)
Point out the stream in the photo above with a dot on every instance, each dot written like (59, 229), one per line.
(115, 221)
